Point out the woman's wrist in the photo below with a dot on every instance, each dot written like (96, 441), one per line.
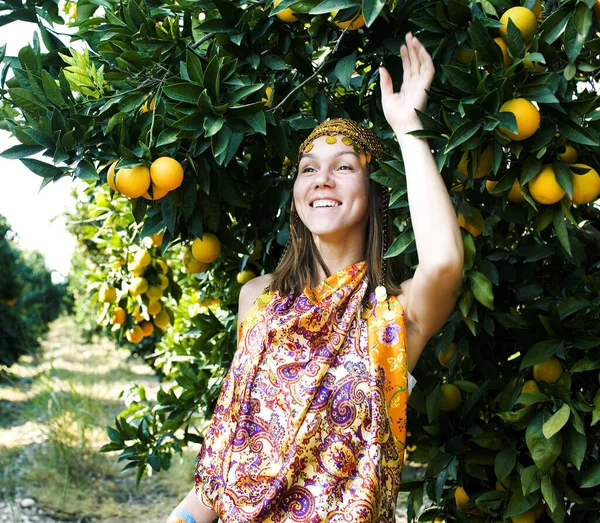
(180, 515)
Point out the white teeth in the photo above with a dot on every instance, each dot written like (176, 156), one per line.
(326, 203)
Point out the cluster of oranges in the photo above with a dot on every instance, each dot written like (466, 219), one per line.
(165, 174)
(355, 23)
(148, 281)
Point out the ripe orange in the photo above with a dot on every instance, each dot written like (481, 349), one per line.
(523, 18)
(526, 114)
(466, 224)
(461, 498)
(148, 107)
(164, 268)
(355, 23)
(157, 193)
(107, 294)
(483, 167)
(147, 328)
(142, 258)
(548, 371)
(586, 187)
(445, 356)
(118, 316)
(539, 509)
(489, 185)
(154, 292)
(268, 92)
(504, 48)
(287, 15)
(110, 177)
(464, 55)
(191, 264)
(515, 192)
(529, 386)
(544, 188)
(569, 154)
(207, 249)
(137, 315)
(164, 281)
(138, 286)
(166, 173)
(451, 397)
(162, 319)
(245, 276)
(157, 238)
(526, 517)
(154, 307)
(135, 335)
(133, 182)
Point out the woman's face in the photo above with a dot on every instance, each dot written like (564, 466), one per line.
(333, 172)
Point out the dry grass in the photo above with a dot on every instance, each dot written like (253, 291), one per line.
(53, 418)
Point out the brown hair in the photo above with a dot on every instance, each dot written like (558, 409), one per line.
(299, 263)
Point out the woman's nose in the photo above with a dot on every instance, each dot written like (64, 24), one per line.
(324, 176)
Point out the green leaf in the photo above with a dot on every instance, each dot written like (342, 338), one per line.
(212, 125)
(272, 61)
(557, 421)
(114, 120)
(371, 10)
(327, 6)
(560, 228)
(571, 305)
(42, 169)
(26, 100)
(344, 69)
(516, 44)
(539, 352)
(401, 243)
(469, 251)
(51, 90)
(194, 67)
(563, 176)
(591, 477)
(487, 49)
(544, 451)
(257, 122)
(553, 26)
(482, 289)
(212, 79)
(575, 133)
(241, 93)
(550, 493)
(504, 463)
(21, 151)
(461, 134)
(460, 79)
(183, 92)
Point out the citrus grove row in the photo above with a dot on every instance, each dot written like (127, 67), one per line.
(183, 123)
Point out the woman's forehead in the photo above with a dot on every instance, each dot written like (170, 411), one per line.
(325, 146)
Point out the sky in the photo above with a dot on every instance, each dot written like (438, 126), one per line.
(29, 212)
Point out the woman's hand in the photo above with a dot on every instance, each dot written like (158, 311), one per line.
(399, 108)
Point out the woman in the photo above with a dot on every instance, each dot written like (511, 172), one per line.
(311, 422)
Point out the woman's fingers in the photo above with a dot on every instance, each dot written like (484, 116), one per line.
(385, 81)
(405, 62)
(415, 63)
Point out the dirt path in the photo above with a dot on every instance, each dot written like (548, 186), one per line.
(53, 417)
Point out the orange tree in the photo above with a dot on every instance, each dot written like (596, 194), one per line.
(506, 417)
(29, 300)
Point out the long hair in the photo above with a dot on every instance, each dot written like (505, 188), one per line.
(298, 265)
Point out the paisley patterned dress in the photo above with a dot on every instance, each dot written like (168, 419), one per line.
(310, 424)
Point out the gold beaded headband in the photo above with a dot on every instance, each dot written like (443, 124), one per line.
(356, 135)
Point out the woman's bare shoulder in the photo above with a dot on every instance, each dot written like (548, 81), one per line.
(254, 288)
